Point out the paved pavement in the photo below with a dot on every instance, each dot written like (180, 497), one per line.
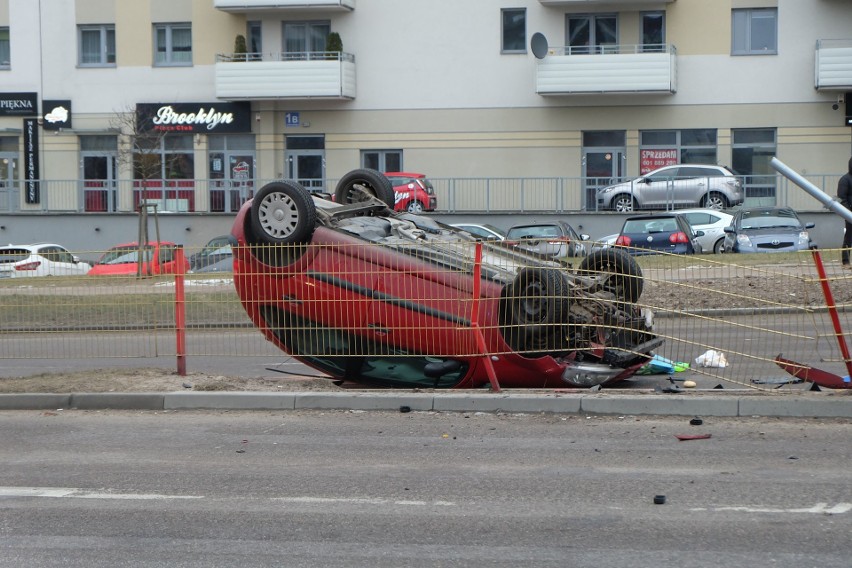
(823, 404)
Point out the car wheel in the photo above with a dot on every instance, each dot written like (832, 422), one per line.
(719, 247)
(359, 185)
(533, 311)
(622, 203)
(616, 271)
(282, 212)
(715, 201)
(415, 207)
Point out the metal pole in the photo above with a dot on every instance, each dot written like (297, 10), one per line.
(830, 203)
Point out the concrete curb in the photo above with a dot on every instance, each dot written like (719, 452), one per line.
(557, 403)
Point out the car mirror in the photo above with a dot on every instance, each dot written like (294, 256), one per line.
(75, 259)
(810, 225)
(584, 237)
(699, 233)
(729, 229)
(644, 180)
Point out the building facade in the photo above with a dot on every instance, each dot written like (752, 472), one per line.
(190, 104)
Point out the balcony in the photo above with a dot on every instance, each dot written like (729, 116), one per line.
(613, 69)
(242, 6)
(309, 75)
(833, 68)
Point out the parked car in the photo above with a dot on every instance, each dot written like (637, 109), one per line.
(710, 222)
(413, 192)
(157, 258)
(768, 229)
(485, 232)
(552, 240)
(46, 259)
(372, 296)
(682, 185)
(662, 233)
(216, 256)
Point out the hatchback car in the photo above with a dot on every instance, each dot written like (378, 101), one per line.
(651, 234)
(372, 296)
(551, 240)
(151, 259)
(682, 185)
(413, 192)
(768, 229)
(19, 261)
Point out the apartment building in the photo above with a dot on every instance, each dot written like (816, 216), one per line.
(106, 104)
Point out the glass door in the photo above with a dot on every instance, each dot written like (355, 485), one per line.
(305, 159)
(99, 188)
(601, 167)
(8, 182)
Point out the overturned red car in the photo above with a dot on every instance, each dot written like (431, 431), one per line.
(372, 296)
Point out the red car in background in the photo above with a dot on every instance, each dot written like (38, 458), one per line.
(412, 192)
(123, 260)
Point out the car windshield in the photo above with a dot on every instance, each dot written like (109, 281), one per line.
(534, 232)
(770, 221)
(13, 255)
(123, 255)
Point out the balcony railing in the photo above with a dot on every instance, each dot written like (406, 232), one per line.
(646, 68)
(454, 195)
(241, 6)
(286, 75)
(833, 66)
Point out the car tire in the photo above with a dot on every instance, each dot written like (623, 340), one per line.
(282, 212)
(349, 188)
(719, 246)
(415, 207)
(715, 200)
(618, 272)
(623, 203)
(534, 310)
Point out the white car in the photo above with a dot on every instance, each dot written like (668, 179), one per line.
(486, 232)
(711, 221)
(47, 259)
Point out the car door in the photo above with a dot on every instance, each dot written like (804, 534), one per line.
(692, 184)
(656, 189)
(59, 262)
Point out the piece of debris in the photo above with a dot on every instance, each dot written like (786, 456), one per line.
(405, 409)
(696, 421)
(778, 381)
(689, 384)
(684, 437)
(712, 358)
(187, 385)
(659, 499)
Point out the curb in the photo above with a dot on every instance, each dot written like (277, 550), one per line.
(556, 403)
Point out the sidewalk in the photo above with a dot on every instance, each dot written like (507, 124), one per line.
(824, 404)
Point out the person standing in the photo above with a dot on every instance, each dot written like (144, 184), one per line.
(844, 195)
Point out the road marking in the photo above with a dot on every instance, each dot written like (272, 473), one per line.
(77, 493)
(362, 501)
(818, 508)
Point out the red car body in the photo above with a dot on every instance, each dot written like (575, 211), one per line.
(413, 192)
(354, 298)
(157, 258)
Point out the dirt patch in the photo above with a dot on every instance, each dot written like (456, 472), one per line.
(155, 380)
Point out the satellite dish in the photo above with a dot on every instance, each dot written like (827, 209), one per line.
(538, 44)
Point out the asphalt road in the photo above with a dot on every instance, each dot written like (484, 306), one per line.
(346, 489)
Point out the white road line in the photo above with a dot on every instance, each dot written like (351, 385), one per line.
(75, 493)
(360, 501)
(818, 508)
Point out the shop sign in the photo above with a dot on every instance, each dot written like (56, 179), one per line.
(201, 118)
(18, 104)
(652, 159)
(57, 114)
(32, 167)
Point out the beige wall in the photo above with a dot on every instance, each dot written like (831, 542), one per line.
(134, 42)
(95, 11)
(4, 12)
(712, 37)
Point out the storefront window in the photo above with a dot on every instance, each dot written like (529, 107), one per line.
(752, 151)
(232, 166)
(660, 148)
(164, 171)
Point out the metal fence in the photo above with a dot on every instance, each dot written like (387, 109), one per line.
(726, 317)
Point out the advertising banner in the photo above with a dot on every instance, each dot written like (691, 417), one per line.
(32, 169)
(652, 159)
(57, 114)
(18, 104)
(201, 118)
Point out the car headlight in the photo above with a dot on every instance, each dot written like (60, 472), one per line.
(804, 238)
(743, 241)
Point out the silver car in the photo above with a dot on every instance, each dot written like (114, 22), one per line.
(682, 185)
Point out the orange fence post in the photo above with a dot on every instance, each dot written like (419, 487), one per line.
(474, 319)
(180, 311)
(832, 310)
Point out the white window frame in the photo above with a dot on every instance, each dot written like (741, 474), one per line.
(514, 11)
(168, 56)
(105, 49)
(742, 25)
(7, 63)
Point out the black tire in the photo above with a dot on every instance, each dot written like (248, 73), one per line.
(719, 246)
(715, 200)
(618, 272)
(534, 310)
(373, 182)
(623, 202)
(282, 212)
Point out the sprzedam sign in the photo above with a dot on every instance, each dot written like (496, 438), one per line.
(652, 159)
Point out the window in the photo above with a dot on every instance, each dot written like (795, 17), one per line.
(96, 46)
(592, 34)
(514, 30)
(164, 171)
(751, 153)
(172, 44)
(653, 31)
(5, 56)
(255, 40)
(305, 40)
(659, 148)
(382, 160)
(754, 31)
